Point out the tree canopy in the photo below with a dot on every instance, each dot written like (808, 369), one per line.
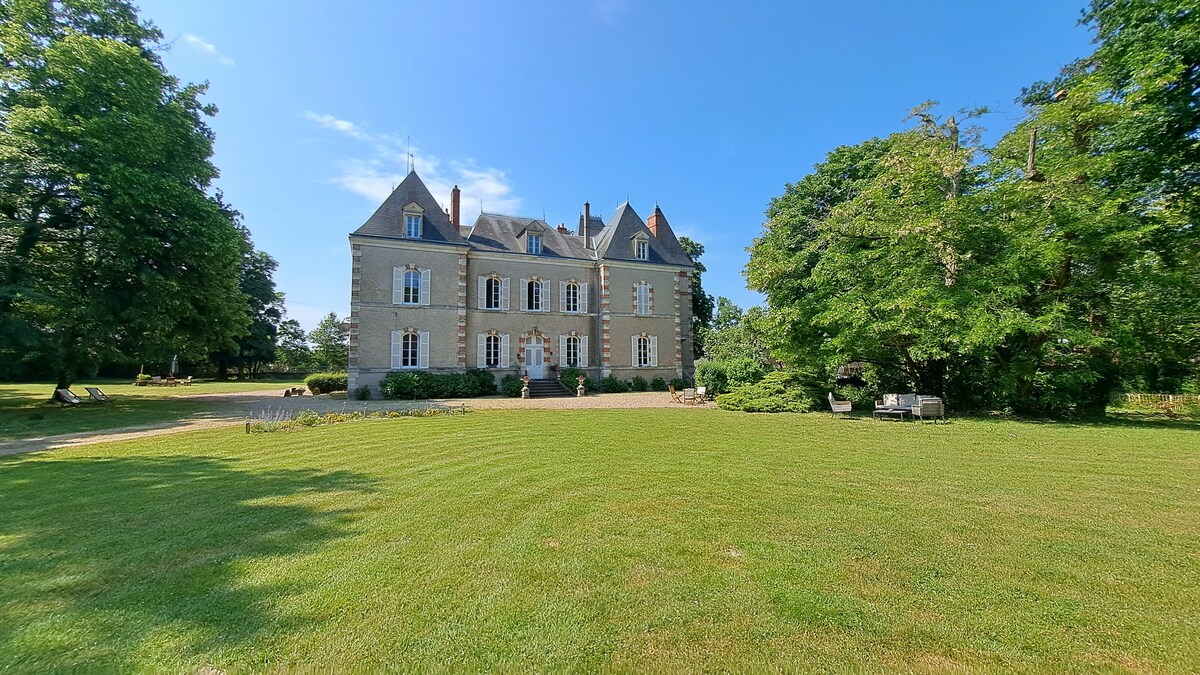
(1041, 274)
(111, 246)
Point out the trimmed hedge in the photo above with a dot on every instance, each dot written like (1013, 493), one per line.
(419, 385)
(638, 384)
(780, 391)
(612, 385)
(324, 383)
(658, 384)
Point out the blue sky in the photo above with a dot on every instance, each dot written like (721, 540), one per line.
(534, 107)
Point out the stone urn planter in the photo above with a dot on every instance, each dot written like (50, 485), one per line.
(525, 386)
(579, 390)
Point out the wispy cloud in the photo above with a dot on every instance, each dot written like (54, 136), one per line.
(205, 47)
(385, 164)
(609, 10)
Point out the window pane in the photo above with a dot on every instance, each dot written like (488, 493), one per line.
(412, 287)
(534, 296)
(493, 294)
(572, 297)
(408, 354)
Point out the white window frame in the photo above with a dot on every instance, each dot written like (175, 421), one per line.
(644, 351)
(401, 340)
(400, 286)
(413, 221)
(572, 352)
(412, 288)
(570, 291)
(491, 346)
(535, 291)
(533, 244)
(641, 249)
(497, 300)
(642, 303)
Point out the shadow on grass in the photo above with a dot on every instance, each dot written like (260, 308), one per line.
(117, 563)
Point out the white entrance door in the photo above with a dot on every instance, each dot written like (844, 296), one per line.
(534, 362)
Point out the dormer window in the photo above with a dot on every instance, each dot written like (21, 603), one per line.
(414, 221)
(533, 244)
(641, 248)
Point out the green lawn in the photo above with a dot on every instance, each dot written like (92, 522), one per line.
(24, 411)
(636, 540)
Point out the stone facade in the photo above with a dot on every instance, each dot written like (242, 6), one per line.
(510, 294)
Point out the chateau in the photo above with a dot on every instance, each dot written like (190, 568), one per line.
(516, 295)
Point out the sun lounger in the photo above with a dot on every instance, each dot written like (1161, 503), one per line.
(66, 397)
(97, 395)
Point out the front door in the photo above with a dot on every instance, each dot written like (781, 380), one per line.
(535, 365)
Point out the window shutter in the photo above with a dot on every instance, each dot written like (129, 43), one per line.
(562, 296)
(396, 337)
(397, 285)
(583, 306)
(504, 350)
(504, 294)
(523, 289)
(481, 351)
(562, 350)
(545, 296)
(583, 352)
(633, 350)
(482, 292)
(654, 350)
(423, 350)
(425, 274)
(649, 302)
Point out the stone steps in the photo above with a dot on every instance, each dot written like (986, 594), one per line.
(548, 389)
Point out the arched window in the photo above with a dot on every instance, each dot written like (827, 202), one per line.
(492, 293)
(533, 296)
(573, 351)
(412, 287)
(492, 351)
(572, 296)
(410, 348)
(642, 305)
(643, 352)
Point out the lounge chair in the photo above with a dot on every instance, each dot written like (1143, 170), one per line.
(676, 397)
(187, 382)
(156, 380)
(97, 395)
(931, 407)
(702, 394)
(836, 406)
(66, 397)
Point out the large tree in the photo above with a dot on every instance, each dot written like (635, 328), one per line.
(331, 344)
(111, 248)
(264, 308)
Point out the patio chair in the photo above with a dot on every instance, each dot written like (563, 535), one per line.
(836, 406)
(97, 395)
(689, 395)
(156, 380)
(702, 394)
(931, 407)
(676, 397)
(67, 397)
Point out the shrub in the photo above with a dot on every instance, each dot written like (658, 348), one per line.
(638, 384)
(711, 375)
(612, 385)
(362, 393)
(485, 382)
(569, 378)
(658, 384)
(679, 383)
(324, 383)
(779, 391)
(742, 371)
(510, 386)
(420, 385)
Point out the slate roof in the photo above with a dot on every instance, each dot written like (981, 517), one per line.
(499, 233)
(616, 239)
(388, 219)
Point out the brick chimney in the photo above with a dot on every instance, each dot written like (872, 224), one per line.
(562, 229)
(455, 210)
(657, 218)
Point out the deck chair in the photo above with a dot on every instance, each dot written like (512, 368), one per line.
(97, 395)
(186, 382)
(836, 406)
(701, 394)
(689, 396)
(66, 397)
(676, 397)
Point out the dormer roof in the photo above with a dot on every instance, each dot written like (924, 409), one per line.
(388, 219)
(616, 240)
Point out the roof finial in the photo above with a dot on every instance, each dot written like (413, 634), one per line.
(411, 164)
